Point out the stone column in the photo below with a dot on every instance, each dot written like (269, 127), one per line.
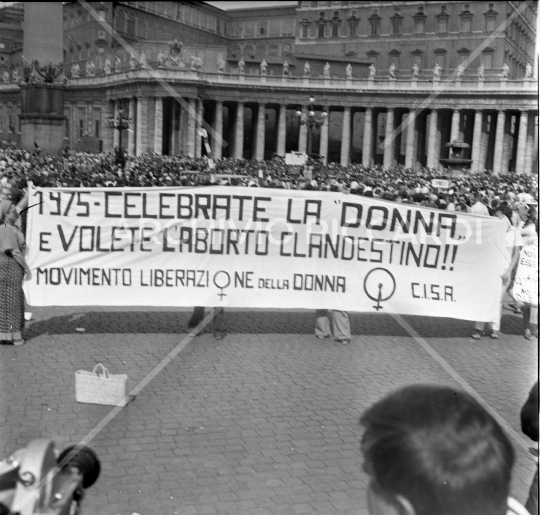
(411, 140)
(531, 148)
(191, 122)
(199, 124)
(175, 126)
(454, 132)
(116, 133)
(323, 151)
(522, 142)
(239, 132)
(368, 137)
(346, 137)
(282, 130)
(217, 140)
(131, 133)
(389, 141)
(477, 142)
(141, 145)
(158, 126)
(432, 150)
(261, 118)
(499, 143)
(302, 137)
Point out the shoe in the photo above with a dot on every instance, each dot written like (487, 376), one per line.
(529, 335)
(476, 335)
(345, 341)
(18, 342)
(323, 337)
(219, 336)
(494, 335)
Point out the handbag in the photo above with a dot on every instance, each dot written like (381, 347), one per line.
(100, 387)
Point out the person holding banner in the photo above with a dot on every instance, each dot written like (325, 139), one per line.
(218, 321)
(525, 290)
(341, 326)
(12, 269)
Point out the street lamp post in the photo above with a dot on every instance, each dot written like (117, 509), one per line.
(311, 122)
(120, 124)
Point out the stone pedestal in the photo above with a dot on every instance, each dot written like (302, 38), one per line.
(348, 82)
(414, 83)
(263, 79)
(42, 117)
(370, 82)
(458, 83)
(504, 80)
(305, 80)
(241, 78)
(480, 84)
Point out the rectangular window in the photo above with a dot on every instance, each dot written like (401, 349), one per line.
(335, 30)
(81, 128)
(463, 59)
(305, 30)
(320, 33)
(394, 59)
(490, 24)
(396, 25)
(466, 25)
(487, 59)
(375, 26)
(439, 59)
(96, 128)
(443, 25)
(419, 26)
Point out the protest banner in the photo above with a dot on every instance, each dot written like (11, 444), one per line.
(260, 248)
(525, 287)
(442, 184)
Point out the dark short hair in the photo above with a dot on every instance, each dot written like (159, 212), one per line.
(440, 449)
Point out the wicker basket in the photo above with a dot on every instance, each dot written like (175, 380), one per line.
(95, 388)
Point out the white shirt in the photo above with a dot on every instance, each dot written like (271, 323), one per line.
(479, 209)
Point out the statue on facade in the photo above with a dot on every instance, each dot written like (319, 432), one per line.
(392, 71)
(175, 47)
(107, 66)
(221, 64)
(285, 67)
(528, 71)
(348, 71)
(5, 76)
(161, 58)
(75, 71)
(90, 68)
(326, 70)
(437, 71)
(132, 62)
(193, 62)
(142, 60)
(481, 71)
(117, 64)
(372, 71)
(505, 71)
(264, 65)
(307, 69)
(241, 66)
(415, 71)
(198, 63)
(17, 77)
(459, 71)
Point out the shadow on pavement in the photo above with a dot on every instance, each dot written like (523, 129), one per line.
(257, 322)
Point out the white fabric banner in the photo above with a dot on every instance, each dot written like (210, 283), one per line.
(525, 287)
(260, 248)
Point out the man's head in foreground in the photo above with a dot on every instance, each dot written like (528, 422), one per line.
(433, 450)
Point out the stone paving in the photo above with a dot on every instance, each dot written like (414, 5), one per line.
(264, 421)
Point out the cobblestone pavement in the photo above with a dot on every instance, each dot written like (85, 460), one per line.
(264, 421)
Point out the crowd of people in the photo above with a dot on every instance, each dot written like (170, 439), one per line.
(116, 169)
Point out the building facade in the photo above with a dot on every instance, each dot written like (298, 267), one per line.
(173, 68)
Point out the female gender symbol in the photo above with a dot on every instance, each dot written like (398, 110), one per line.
(222, 287)
(381, 278)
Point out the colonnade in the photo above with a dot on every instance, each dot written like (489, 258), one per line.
(500, 140)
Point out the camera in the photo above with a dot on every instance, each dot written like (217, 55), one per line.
(35, 480)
